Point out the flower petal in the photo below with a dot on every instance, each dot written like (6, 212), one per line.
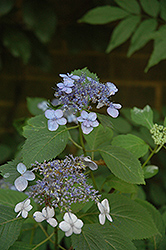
(70, 217)
(29, 175)
(102, 219)
(52, 125)
(84, 115)
(92, 116)
(95, 124)
(86, 130)
(58, 113)
(100, 207)
(50, 212)
(28, 208)
(24, 213)
(52, 222)
(21, 168)
(67, 90)
(106, 205)
(26, 203)
(80, 119)
(117, 105)
(21, 183)
(18, 207)
(89, 163)
(64, 226)
(68, 233)
(109, 217)
(112, 112)
(78, 223)
(38, 216)
(100, 105)
(49, 114)
(60, 85)
(76, 230)
(61, 121)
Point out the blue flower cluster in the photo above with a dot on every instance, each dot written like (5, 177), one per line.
(63, 183)
(75, 95)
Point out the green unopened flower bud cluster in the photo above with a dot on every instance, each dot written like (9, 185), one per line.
(158, 134)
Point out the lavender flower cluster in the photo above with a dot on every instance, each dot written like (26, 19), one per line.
(63, 183)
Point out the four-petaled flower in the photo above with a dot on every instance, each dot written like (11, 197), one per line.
(66, 85)
(89, 163)
(71, 224)
(55, 119)
(88, 121)
(112, 110)
(104, 211)
(46, 214)
(21, 182)
(23, 208)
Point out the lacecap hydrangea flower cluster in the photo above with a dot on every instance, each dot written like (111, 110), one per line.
(76, 95)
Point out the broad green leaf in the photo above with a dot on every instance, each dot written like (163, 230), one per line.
(85, 71)
(143, 116)
(131, 6)
(157, 194)
(98, 136)
(19, 245)
(10, 227)
(120, 125)
(11, 197)
(163, 9)
(158, 54)
(157, 218)
(40, 17)
(132, 143)
(123, 164)
(6, 6)
(5, 152)
(103, 15)
(9, 172)
(150, 171)
(97, 237)
(123, 31)
(130, 217)
(18, 43)
(151, 7)
(42, 144)
(105, 120)
(142, 35)
(32, 105)
(122, 186)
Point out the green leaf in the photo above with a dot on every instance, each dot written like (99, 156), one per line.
(98, 136)
(10, 227)
(42, 144)
(142, 35)
(9, 172)
(123, 31)
(119, 185)
(163, 9)
(157, 218)
(143, 116)
(151, 7)
(103, 15)
(150, 171)
(40, 17)
(85, 71)
(105, 120)
(158, 54)
(18, 43)
(120, 125)
(19, 245)
(131, 6)
(131, 218)
(123, 164)
(132, 143)
(6, 6)
(97, 237)
(32, 103)
(11, 197)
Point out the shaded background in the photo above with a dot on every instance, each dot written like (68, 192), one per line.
(40, 39)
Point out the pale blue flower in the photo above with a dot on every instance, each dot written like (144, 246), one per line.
(112, 110)
(71, 224)
(43, 105)
(112, 88)
(55, 119)
(23, 208)
(104, 211)
(88, 121)
(21, 182)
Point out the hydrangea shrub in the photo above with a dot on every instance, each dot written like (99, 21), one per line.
(75, 178)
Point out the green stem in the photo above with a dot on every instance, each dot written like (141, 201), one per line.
(150, 156)
(42, 242)
(82, 141)
(61, 247)
(44, 231)
(75, 143)
(56, 238)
